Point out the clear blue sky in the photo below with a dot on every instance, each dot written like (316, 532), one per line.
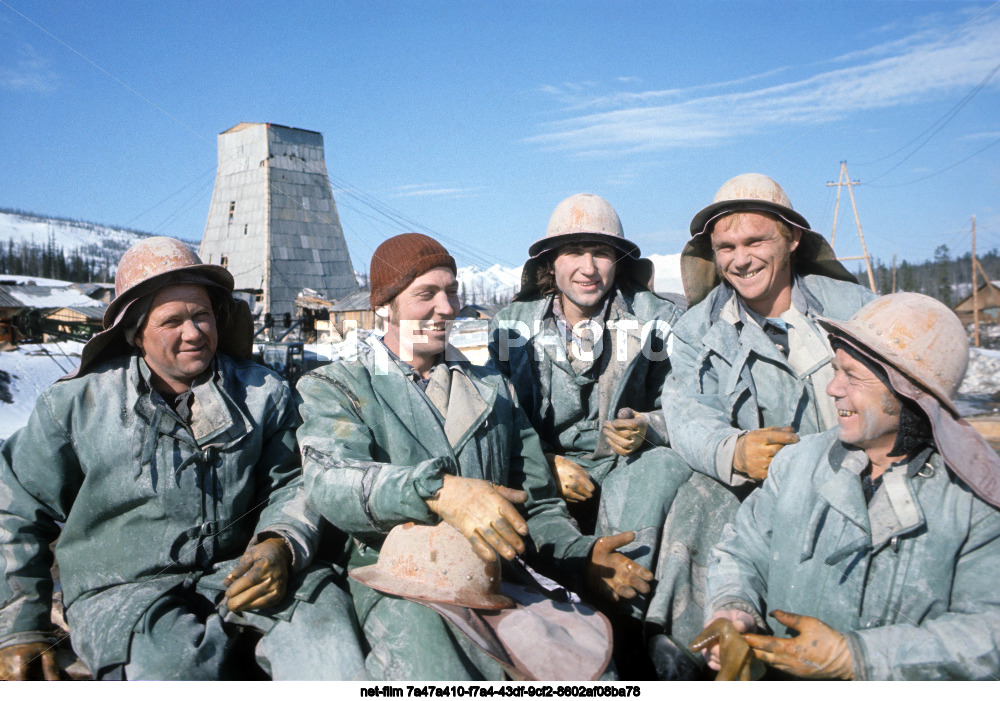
(473, 119)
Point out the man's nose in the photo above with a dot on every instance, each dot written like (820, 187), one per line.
(587, 265)
(190, 330)
(446, 306)
(741, 256)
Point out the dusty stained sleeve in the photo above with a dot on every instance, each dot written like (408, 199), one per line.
(695, 418)
(39, 476)
(344, 479)
(738, 566)
(286, 513)
(558, 541)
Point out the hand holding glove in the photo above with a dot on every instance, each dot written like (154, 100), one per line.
(572, 480)
(612, 574)
(817, 652)
(726, 650)
(260, 578)
(484, 513)
(756, 449)
(627, 432)
(29, 662)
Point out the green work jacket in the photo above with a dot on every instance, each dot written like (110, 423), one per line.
(910, 578)
(140, 501)
(567, 408)
(374, 447)
(729, 378)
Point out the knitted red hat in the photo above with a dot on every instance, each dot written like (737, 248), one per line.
(399, 261)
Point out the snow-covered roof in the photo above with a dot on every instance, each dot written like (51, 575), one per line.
(41, 297)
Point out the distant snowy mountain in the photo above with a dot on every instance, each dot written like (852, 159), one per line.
(107, 244)
(95, 242)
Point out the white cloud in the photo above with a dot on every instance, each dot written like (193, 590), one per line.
(903, 71)
(433, 190)
(27, 71)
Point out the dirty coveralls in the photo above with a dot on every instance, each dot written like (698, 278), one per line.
(909, 578)
(154, 513)
(568, 400)
(375, 445)
(727, 378)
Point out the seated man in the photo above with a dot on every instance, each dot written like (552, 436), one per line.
(749, 363)
(166, 455)
(584, 346)
(875, 545)
(408, 430)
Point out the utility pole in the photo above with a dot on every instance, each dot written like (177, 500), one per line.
(975, 285)
(894, 273)
(844, 179)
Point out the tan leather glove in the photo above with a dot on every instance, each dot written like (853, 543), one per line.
(260, 578)
(756, 449)
(817, 652)
(731, 654)
(613, 575)
(29, 662)
(484, 513)
(573, 481)
(627, 432)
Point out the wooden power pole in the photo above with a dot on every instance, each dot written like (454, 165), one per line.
(844, 179)
(975, 285)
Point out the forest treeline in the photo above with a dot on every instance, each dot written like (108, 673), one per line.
(946, 277)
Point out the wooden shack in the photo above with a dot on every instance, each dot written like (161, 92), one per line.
(988, 301)
(353, 312)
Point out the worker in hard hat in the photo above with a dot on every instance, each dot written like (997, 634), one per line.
(749, 362)
(409, 430)
(872, 550)
(166, 467)
(584, 344)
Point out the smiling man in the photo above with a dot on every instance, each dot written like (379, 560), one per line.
(409, 430)
(750, 363)
(170, 461)
(872, 550)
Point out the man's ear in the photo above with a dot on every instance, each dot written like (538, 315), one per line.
(383, 311)
(796, 238)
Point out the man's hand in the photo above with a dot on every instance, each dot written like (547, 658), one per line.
(817, 652)
(29, 662)
(756, 449)
(725, 649)
(612, 574)
(573, 481)
(627, 432)
(484, 513)
(260, 577)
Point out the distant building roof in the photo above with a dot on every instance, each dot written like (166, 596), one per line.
(91, 313)
(39, 297)
(356, 301)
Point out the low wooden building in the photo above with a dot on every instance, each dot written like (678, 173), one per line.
(353, 312)
(988, 301)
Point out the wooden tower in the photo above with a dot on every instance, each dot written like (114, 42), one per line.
(273, 222)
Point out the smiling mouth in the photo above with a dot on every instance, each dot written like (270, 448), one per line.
(746, 276)
(844, 413)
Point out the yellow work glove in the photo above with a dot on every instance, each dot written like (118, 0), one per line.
(756, 449)
(29, 662)
(484, 513)
(817, 652)
(260, 578)
(573, 481)
(613, 575)
(627, 432)
(725, 647)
